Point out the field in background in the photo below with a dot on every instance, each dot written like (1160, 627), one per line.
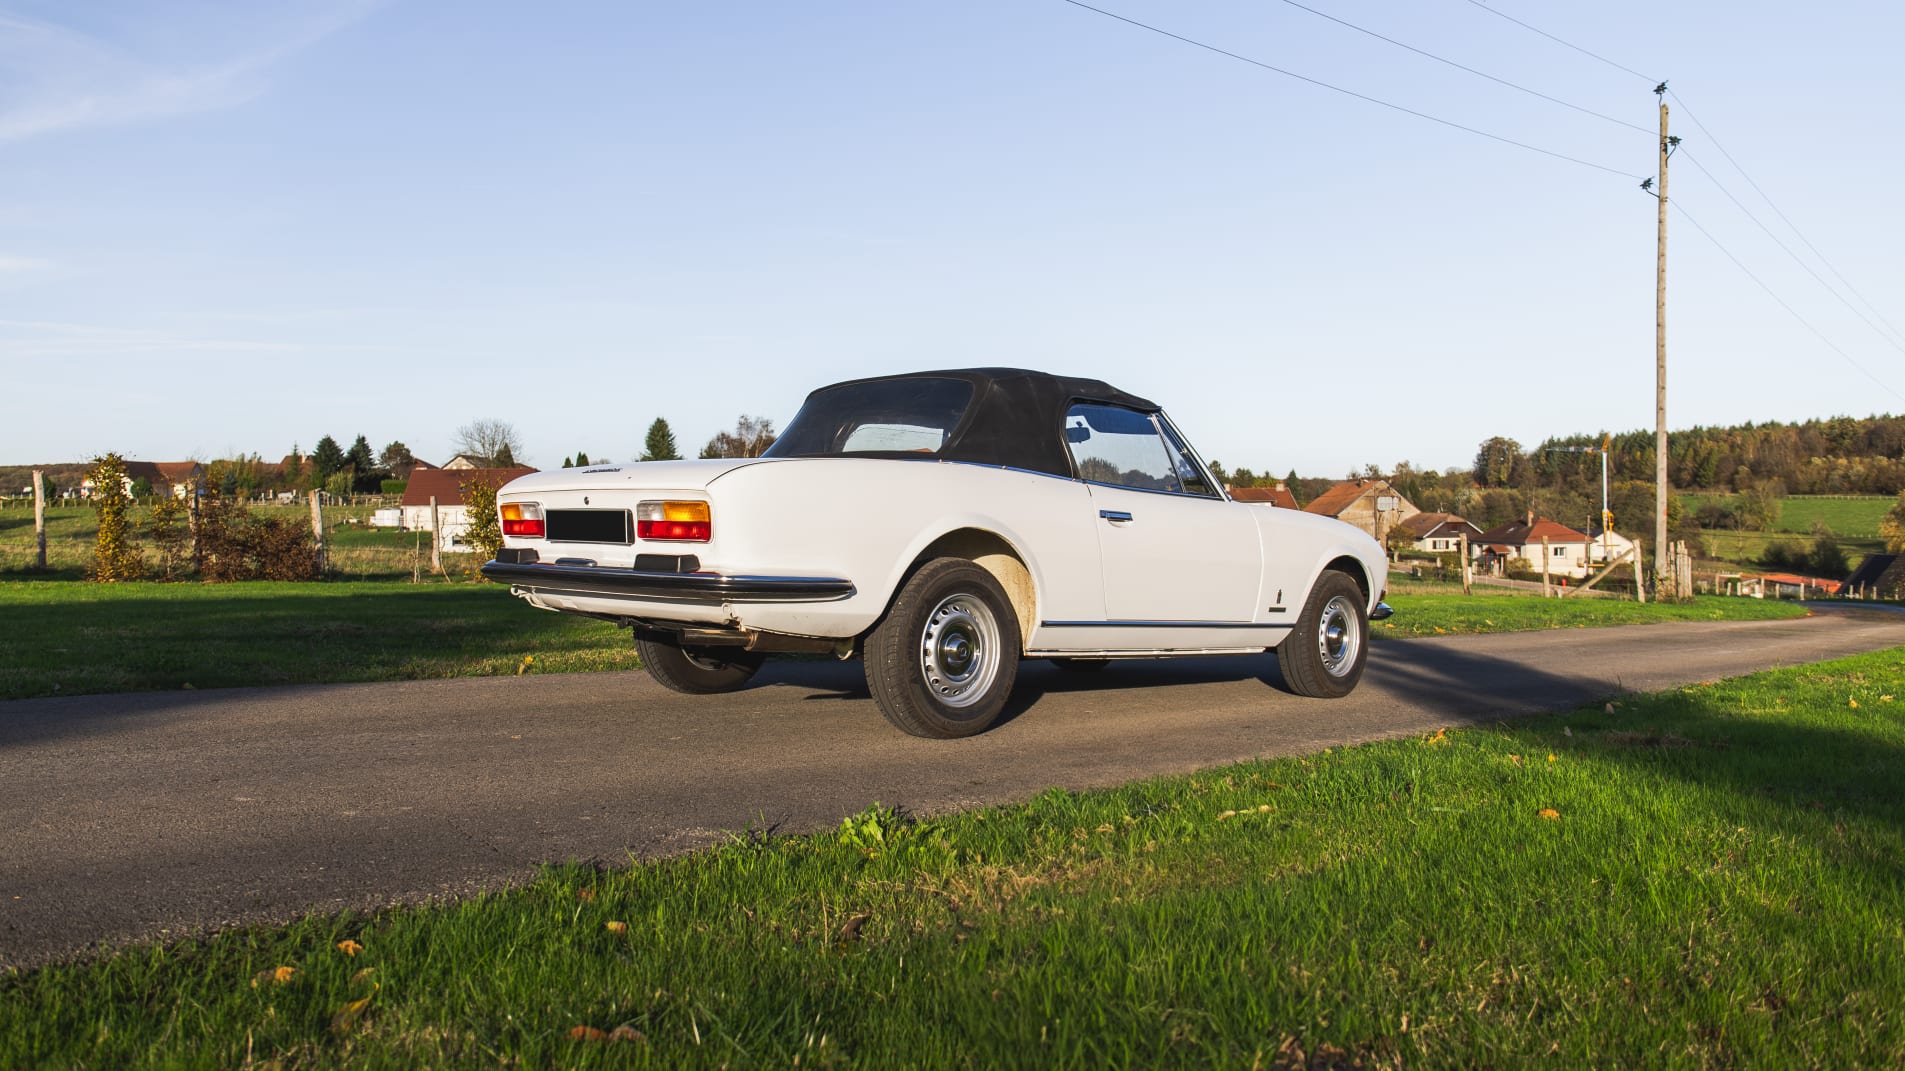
(355, 550)
(1705, 878)
(1846, 515)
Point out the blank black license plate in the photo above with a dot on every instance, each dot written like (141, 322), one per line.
(589, 526)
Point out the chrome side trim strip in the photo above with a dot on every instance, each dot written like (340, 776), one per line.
(1165, 624)
(679, 587)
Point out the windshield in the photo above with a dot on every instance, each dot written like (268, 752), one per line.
(915, 415)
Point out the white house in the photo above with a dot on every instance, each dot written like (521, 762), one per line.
(1565, 550)
(446, 486)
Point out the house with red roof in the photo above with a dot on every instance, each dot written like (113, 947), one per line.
(1369, 504)
(445, 486)
(1439, 533)
(1531, 540)
(1279, 496)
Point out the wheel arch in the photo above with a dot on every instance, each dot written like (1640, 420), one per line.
(996, 555)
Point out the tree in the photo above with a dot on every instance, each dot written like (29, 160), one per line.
(494, 442)
(751, 437)
(398, 460)
(568, 463)
(115, 556)
(660, 444)
(1759, 506)
(166, 528)
(1891, 526)
(327, 457)
(1827, 558)
(581, 460)
(1495, 462)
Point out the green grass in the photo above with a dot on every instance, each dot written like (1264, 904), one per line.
(1745, 548)
(1705, 878)
(1435, 615)
(77, 638)
(1856, 516)
(355, 550)
(73, 637)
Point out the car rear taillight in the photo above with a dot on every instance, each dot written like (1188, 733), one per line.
(522, 519)
(673, 522)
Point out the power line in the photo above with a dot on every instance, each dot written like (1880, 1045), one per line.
(1470, 70)
(1775, 207)
(1807, 324)
(1830, 289)
(1559, 41)
(1350, 92)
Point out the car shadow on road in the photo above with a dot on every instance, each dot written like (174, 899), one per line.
(1448, 680)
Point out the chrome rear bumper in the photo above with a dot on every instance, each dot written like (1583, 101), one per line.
(709, 588)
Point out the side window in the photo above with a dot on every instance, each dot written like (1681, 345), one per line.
(1120, 447)
(1188, 474)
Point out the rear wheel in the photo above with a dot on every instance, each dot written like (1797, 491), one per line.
(1323, 656)
(942, 662)
(698, 670)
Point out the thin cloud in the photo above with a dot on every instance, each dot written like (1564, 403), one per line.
(54, 79)
(12, 265)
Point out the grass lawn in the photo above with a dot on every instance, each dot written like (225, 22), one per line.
(73, 637)
(76, 638)
(1706, 878)
(1435, 615)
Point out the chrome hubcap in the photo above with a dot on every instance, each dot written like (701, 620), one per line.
(1337, 638)
(958, 653)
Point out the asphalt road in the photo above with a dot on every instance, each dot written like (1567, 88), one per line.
(158, 815)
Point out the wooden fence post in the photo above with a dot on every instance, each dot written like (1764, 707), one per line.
(317, 527)
(436, 540)
(1467, 577)
(1546, 591)
(1640, 579)
(39, 517)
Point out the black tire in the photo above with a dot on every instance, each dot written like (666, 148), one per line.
(1081, 665)
(1323, 656)
(943, 660)
(698, 670)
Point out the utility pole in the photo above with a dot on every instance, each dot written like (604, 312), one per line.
(1661, 571)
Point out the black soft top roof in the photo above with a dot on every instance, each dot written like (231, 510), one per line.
(1016, 417)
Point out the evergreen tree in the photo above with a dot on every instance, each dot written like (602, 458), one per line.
(398, 460)
(505, 457)
(327, 457)
(660, 444)
(568, 463)
(581, 459)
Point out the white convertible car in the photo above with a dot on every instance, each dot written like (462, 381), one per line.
(944, 526)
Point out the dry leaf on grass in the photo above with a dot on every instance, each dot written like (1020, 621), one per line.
(1549, 813)
(615, 927)
(852, 928)
(274, 976)
(349, 947)
(346, 1017)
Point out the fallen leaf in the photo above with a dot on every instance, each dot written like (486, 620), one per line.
(362, 975)
(349, 947)
(585, 895)
(274, 976)
(1610, 708)
(588, 1033)
(626, 1032)
(852, 928)
(1549, 813)
(1226, 814)
(615, 927)
(1853, 703)
(1550, 756)
(1885, 699)
(347, 1016)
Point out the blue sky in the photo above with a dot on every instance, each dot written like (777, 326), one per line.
(235, 227)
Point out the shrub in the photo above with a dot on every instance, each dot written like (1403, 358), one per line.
(115, 556)
(485, 533)
(235, 544)
(394, 487)
(166, 528)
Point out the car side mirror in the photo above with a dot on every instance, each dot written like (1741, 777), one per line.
(1077, 433)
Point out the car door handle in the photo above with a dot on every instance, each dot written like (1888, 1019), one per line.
(1115, 516)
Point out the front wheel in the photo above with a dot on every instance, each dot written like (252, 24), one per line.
(943, 660)
(698, 670)
(1323, 656)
